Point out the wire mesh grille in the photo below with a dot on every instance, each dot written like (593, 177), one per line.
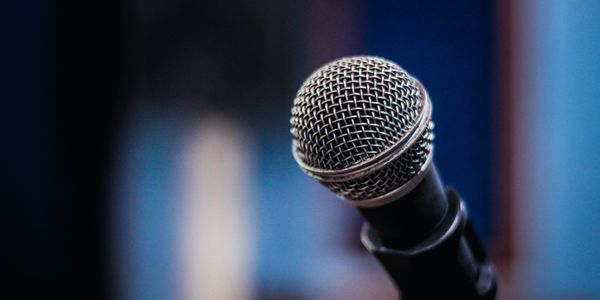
(351, 110)
(390, 177)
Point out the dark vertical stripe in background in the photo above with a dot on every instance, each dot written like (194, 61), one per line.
(92, 60)
(64, 62)
(32, 233)
(505, 128)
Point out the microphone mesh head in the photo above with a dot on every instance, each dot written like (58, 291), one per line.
(352, 110)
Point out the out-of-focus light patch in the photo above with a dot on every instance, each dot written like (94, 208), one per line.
(560, 162)
(215, 232)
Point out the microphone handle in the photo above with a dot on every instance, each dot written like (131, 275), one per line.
(434, 253)
(412, 218)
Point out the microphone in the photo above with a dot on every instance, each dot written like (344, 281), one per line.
(362, 127)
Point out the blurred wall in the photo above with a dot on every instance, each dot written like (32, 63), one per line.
(139, 132)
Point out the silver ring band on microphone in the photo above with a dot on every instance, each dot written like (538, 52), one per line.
(397, 193)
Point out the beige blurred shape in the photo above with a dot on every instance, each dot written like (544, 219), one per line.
(215, 232)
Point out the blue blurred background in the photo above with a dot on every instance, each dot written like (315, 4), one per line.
(147, 151)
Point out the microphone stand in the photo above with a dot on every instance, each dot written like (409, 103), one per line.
(449, 264)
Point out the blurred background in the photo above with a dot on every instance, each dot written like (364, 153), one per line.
(147, 147)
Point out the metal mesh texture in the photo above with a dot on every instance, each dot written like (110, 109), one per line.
(390, 177)
(351, 110)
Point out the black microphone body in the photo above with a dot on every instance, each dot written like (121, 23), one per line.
(427, 244)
